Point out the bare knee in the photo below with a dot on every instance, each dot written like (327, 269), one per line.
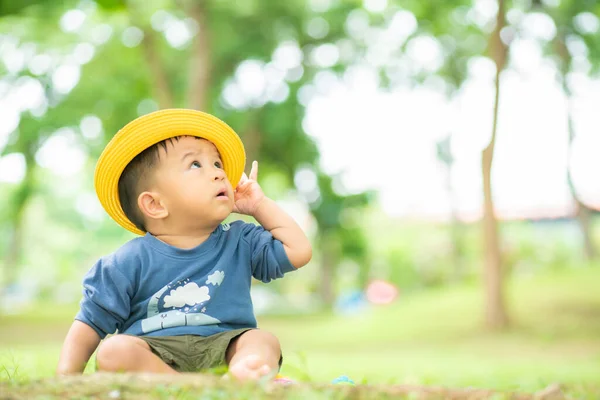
(252, 340)
(114, 353)
(257, 336)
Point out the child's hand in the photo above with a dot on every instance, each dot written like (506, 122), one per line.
(248, 194)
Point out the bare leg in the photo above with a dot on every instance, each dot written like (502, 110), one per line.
(253, 354)
(123, 353)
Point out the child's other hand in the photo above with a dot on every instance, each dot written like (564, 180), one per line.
(248, 194)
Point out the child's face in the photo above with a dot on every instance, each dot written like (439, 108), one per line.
(192, 183)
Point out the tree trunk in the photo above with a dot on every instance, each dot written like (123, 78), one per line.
(200, 63)
(329, 259)
(456, 236)
(15, 240)
(584, 216)
(495, 316)
(364, 273)
(161, 87)
(456, 231)
(252, 138)
(444, 155)
(582, 212)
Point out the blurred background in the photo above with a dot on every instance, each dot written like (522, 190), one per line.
(442, 156)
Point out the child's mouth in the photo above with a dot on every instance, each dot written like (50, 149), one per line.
(222, 194)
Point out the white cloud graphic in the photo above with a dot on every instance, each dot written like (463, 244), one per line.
(215, 278)
(189, 294)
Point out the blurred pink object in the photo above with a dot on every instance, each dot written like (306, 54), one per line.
(283, 380)
(381, 292)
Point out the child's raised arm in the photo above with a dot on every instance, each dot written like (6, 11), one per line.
(250, 200)
(283, 228)
(80, 343)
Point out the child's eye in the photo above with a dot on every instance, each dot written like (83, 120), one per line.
(195, 164)
(218, 164)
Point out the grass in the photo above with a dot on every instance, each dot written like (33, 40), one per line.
(429, 338)
(437, 337)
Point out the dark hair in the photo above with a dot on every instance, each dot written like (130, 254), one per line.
(133, 181)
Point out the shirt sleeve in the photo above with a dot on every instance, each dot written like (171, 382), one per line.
(106, 298)
(269, 260)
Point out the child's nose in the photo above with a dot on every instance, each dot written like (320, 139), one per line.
(219, 174)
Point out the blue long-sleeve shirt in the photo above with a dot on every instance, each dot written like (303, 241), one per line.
(148, 287)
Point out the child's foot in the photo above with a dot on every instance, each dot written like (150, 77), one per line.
(249, 368)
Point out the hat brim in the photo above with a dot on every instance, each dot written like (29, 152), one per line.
(150, 129)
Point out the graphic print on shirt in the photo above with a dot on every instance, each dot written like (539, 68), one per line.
(186, 301)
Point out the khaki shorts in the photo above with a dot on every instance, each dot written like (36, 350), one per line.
(192, 353)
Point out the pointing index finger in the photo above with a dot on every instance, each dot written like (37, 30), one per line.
(254, 171)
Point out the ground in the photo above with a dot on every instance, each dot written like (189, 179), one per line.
(426, 342)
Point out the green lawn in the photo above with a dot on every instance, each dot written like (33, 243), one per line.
(437, 338)
(433, 337)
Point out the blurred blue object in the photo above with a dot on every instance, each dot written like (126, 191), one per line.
(350, 302)
(17, 296)
(343, 380)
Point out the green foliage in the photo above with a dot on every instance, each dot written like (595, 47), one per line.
(564, 16)
(114, 83)
(111, 5)
(9, 7)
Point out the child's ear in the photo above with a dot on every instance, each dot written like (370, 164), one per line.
(152, 206)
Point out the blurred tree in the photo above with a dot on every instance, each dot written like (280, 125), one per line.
(564, 17)
(444, 155)
(462, 39)
(31, 135)
(340, 234)
(434, 21)
(496, 314)
(226, 40)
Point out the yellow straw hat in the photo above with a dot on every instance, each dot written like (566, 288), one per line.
(150, 129)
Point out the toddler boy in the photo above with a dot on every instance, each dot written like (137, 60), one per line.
(179, 295)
